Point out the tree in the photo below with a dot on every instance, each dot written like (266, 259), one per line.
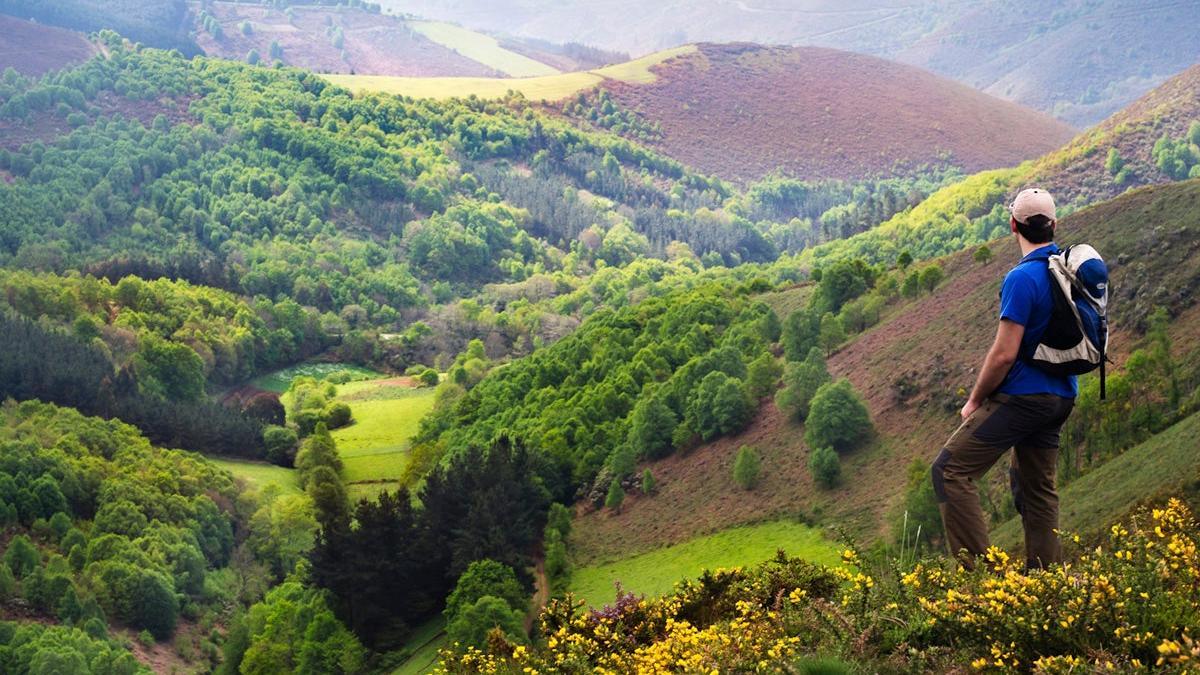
(168, 369)
(329, 500)
(718, 406)
(904, 259)
(762, 375)
(801, 332)
(825, 466)
(337, 414)
(470, 627)
(746, 467)
(983, 254)
(932, 276)
(832, 332)
(648, 483)
(280, 444)
(1114, 162)
(801, 382)
(838, 418)
(21, 556)
(317, 450)
(650, 427)
(252, 57)
(154, 605)
(615, 496)
(485, 578)
(912, 285)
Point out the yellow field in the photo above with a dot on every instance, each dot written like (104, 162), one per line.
(482, 48)
(545, 88)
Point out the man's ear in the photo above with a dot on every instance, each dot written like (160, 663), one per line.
(1012, 223)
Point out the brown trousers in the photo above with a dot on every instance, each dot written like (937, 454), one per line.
(1029, 425)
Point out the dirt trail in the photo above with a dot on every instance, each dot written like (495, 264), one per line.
(541, 593)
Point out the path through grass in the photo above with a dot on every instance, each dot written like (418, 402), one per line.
(657, 572)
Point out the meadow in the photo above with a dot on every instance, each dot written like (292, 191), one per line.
(482, 48)
(374, 448)
(543, 88)
(656, 572)
(279, 380)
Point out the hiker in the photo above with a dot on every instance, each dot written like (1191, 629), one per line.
(1014, 404)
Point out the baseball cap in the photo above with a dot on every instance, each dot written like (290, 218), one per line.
(1032, 202)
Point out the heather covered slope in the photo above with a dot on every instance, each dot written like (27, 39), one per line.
(32, 49)
(741, 111)
(913, 369)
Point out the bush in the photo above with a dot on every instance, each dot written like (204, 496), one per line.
(746, 467)
(825, 466)
(337, 414)
(470, 628)
(485, 578)
(801, 382)
(615, 496)
(838, 418)
(280, 444)
(428, 377)
(648, 482)
(22, 556)
(762, 375)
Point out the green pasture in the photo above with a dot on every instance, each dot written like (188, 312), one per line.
(424, 644)
(482, 48)
(260, 474)
(374, 447)
(656, 572)
(546, 87)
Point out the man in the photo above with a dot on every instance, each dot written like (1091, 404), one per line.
(1013, 405)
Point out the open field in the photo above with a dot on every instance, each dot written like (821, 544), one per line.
(280, 380)
(657, 572)
(547, 88)
(374, 448)
(1159, 467)
(482, 48)
(260, 474)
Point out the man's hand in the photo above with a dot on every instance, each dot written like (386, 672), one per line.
(970, 407)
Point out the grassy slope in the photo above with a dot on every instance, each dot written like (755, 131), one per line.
(280, 380)
(1159, 467)
(482, 48)
(937, 340)
(657, 572)
(548, 88)
(426, 640)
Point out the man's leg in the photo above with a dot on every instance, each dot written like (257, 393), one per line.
(1036, 469)
(1035, 462)
(963, 461)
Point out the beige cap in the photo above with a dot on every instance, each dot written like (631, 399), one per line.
(1032, 202)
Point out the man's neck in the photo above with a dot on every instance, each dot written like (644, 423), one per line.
(1028, 247)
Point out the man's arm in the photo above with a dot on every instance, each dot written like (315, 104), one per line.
(996, 365)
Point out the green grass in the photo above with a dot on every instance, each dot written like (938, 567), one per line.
(544, 88)
(656, 572)
(374, 449)
(260, 474)
(482, 48)
(280, 380)
(1158, 467)
(426, 640)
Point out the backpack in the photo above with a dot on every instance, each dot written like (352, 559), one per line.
(1076, 338)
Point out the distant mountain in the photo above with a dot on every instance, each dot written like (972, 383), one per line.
(741, 111)
(157, 23)
(1079, 59)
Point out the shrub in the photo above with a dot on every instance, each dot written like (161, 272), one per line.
(471, 627)
(838, 418)
(615, 496)
(746, 467)
(337, 414)
(485, 578)
(648, 483)
(428, 377)
(825, 466)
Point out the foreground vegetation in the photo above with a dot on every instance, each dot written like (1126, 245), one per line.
(1129, 604)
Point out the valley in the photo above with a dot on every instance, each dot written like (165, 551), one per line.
(343, 339)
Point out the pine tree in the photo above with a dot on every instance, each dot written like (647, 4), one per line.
(616, 495)
(648, 483)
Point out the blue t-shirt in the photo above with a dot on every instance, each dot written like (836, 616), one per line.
(1026, 298)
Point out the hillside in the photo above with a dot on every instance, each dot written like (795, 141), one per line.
(1080, 60)
(33, 49)
(158, 23)
(327, 40)
(741, 111)
(939, 340)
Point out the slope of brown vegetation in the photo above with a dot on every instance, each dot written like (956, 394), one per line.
(741, 111)
(373, 43)
(33, 49)
(1078, 169)
(935, 342)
